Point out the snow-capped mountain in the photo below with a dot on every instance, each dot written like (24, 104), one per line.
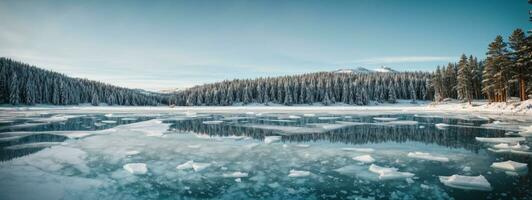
(382, 69)
(356, 70)
(385, 69)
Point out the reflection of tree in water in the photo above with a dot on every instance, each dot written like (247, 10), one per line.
(455, 137)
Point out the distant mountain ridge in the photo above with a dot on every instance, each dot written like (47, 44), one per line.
(362, 70)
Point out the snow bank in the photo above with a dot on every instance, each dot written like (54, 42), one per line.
(386, 173)
(427, 156)
(136, 168)
(510, 166)
(364, 159)
(298, 173)
(466, 182)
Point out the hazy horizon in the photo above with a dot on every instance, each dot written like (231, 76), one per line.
(177, 44)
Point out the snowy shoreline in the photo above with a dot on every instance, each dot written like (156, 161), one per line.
(516, 108)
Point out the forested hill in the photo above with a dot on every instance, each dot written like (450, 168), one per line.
(24, 84)
(322, 87)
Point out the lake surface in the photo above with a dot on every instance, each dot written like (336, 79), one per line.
(234, 156)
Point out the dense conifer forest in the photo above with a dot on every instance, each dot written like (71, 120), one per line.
(24, 84)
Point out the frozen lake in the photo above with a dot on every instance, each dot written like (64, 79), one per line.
(264, 155)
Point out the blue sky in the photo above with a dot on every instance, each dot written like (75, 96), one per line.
(168, 44)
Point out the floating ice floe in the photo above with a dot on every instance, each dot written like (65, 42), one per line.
(327, 126)
(466, 169)
(309, 115)
(212, 122)
(442, 126)
(401, 122)
(298, 173)
(510, 166)
(366, 150)
(235, 175)
(32, 145)
(136, 168)
(328, 118)
(294, 117)
(364, 159)
(272, 139)
(109, 121)
(129, 119)
(186, 165)
(421, 127)
(193, 165)
(386, 173)
(302, 145)
(427, 156)
(508, 146)
(200, 166)
(57, 118)
(385, 118)
(466, 182)
(513, 151)
(500, 139)
(132, 152)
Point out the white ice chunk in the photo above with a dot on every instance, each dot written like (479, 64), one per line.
(466, 182)
(510, 166)
(136, 168)
(212, 122)
(309, 115)
(132, 152)
(442, 126)
(298, 173)
(294, 117)
(365, 150)
(401, 122)
(466, 169)
(194, 146)
(328, 118)
(271, 139)
(235, 175)
(364, 159)
(200, 166)
(386, 173)
(186, 165)
(109, 121)
(427, 156)
(302, 145)
(385, 118)
(508, 146)
(500, 139)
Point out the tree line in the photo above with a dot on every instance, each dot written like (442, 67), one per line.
(24, 84)
(322, 87)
